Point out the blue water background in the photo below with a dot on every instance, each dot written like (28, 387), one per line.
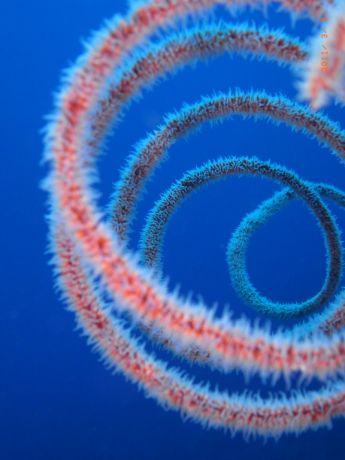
(57, 399)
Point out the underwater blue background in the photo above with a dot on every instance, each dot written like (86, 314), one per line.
(57, 399)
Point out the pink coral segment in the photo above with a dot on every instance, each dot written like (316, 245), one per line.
(324, 75)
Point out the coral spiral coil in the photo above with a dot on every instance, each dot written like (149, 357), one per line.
(90, 255)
